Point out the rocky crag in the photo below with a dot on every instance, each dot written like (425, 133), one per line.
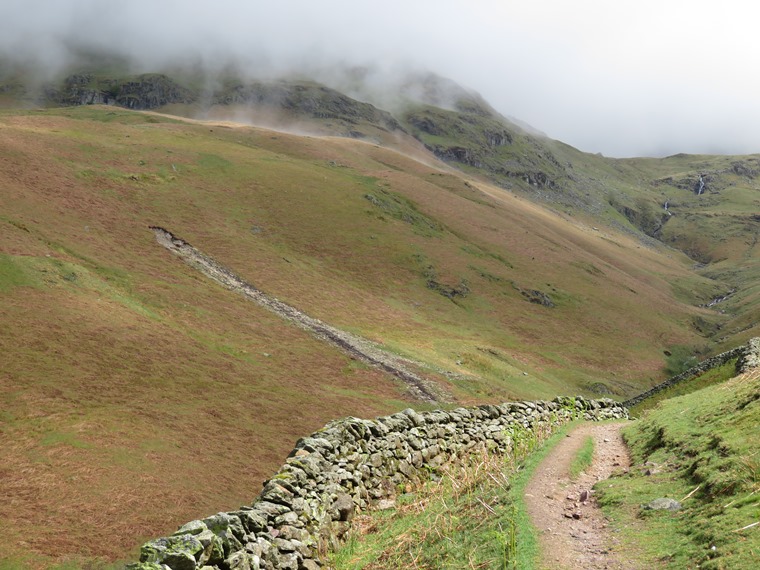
(348, 466)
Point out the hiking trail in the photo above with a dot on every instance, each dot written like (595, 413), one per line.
(573, 532)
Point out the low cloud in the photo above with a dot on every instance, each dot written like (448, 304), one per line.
(622, 78)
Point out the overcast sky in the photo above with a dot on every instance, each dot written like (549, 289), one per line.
(621, 77)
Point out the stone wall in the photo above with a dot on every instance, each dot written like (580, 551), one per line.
(748, 355)
(350, 465)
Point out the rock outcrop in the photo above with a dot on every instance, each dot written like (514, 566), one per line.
(305, 99)
(147, 91)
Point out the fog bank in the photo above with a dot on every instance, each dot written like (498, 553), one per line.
(622, 78)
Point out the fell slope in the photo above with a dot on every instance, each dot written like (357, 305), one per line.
(135, 393)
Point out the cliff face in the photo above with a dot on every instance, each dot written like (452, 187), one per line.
(475, 136)
(151, 91)
(147, 91)
(302, 99)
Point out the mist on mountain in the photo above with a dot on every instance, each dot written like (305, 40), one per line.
(625, 78)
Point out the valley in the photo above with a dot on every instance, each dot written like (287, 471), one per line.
(137, 394)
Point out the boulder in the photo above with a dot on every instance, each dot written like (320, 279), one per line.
(662, 504)
(176, 552)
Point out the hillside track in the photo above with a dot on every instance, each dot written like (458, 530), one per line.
(420, 388)
(573, 532)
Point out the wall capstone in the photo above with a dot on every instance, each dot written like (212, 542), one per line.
(349, 466)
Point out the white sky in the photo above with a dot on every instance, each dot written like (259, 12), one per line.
(623, 77)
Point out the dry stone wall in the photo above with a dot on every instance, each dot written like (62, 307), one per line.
(350, 465)
(748, 357)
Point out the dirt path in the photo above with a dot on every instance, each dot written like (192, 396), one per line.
(574, 533)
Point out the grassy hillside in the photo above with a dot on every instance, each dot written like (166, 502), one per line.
(136, 394)
(704, 206)
(700, 449)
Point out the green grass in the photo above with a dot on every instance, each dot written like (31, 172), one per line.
(700, 448)
(473, 517)
(681, 358)
(400, 208)
(712, 377)
(13, 274)
(583, 458)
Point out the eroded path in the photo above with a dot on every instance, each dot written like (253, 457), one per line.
(573, 532)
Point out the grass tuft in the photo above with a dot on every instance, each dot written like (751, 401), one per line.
(583, 458)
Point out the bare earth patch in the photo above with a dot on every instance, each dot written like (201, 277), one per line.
(573, 532)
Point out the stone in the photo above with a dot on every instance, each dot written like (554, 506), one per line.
(181, 560)
(239, 561)
(294, 533)
(288, 561)
(265, 547)
(193, 527)
(314, 444)
(283, 545)
(289, 518)
(177, 552)
(385, 504)
(417, 419)
(271, 510)
(253, 521)
(344, 505)
(276, 493)
(213, 548)
(750, 357)
(301, 547)
(663, 504)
